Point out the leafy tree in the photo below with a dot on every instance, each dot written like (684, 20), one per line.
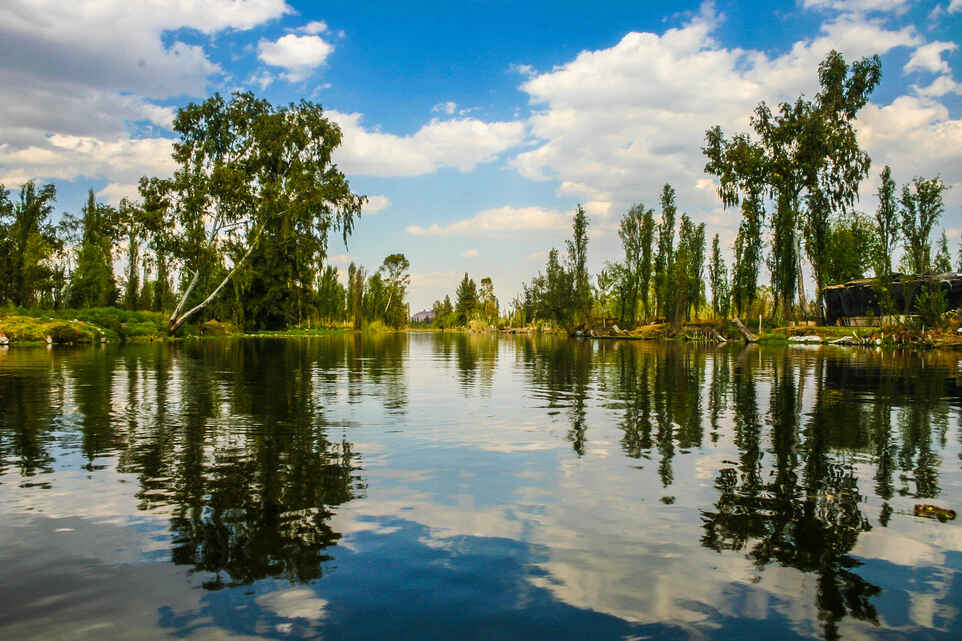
(375, 298)
(847, 258)
(886, 224)
(129, 220)
(578, 262)
(93, 283)
(718, 277)
(355, 292)
(806, 157)
(943, 260)
(748, 254)
(664, 258)
(249, 172)
(30, 240)
(467, 300)
(636, 231)
(487, 301)
(396, 279)
(922, 207)
(332, 297)
(557, 292)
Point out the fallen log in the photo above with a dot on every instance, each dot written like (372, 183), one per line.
(749, 337)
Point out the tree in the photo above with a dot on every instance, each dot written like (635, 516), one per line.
(806, 158)
(718, 277)
(664, 258)
(396, 279)
(636, 231)
(355, 292)
(467, 300)
(487, 301)
(847, 258)
(332, 297)
(886, 224)
(922, 207)
(748, 254)
(93, 283)
(247, 172)
(29, 241)
(578, 264)
(128, 219)
(943, 260)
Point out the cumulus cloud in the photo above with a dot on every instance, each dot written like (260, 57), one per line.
(314, 27)
(614, 125)
(123, 160)
(497, 222)
(299, 55)
(375, 204)
(67, 98)
(928, 57)
(462, 143)
(955, 6)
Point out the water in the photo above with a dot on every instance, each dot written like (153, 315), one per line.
(476, 487)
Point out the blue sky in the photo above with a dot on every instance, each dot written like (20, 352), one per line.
(475, 128)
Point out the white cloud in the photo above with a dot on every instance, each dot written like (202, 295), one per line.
(62, 84)
(470, 253)
(122, 161)
(445, 107)
(261, 79)
(315, 27)
(299, 55)
(462, 143)
(524, 70)
(115, 192)
(614, 125)
(955, 6)
(929, 58)
(497, 222)
(859, 6)
(939, 87)
(375, 204)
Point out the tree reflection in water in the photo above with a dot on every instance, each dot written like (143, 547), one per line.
(235, 441)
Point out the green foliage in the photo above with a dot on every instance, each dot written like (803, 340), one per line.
(396, 281)
(467, 300)
(248, 171)
(848, 255)
(922, 207)
(93, 283)
(806, 156)
(578, 264)
(748, 254)
(664, 258)
(718, 277)
(636, 231)
(886, 224)
(943, 260)
(931, 305)
(28, 244)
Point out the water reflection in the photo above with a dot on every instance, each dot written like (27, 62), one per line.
(363, 469)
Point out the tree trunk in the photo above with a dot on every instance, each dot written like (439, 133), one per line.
(749, 337)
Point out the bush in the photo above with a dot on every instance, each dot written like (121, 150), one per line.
(931, 305)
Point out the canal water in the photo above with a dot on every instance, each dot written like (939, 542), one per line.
(429, 486)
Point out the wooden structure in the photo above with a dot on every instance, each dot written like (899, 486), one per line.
(856, 301)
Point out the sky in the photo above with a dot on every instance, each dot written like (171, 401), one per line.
(474, 128)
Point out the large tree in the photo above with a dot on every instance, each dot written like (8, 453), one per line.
(396, 279)
(718, 277)
(578, 264)
(664, 258)
(806, 158)
(922, 207)
(29, 241)
(254, 178)
(886, 224)
(93, 283)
